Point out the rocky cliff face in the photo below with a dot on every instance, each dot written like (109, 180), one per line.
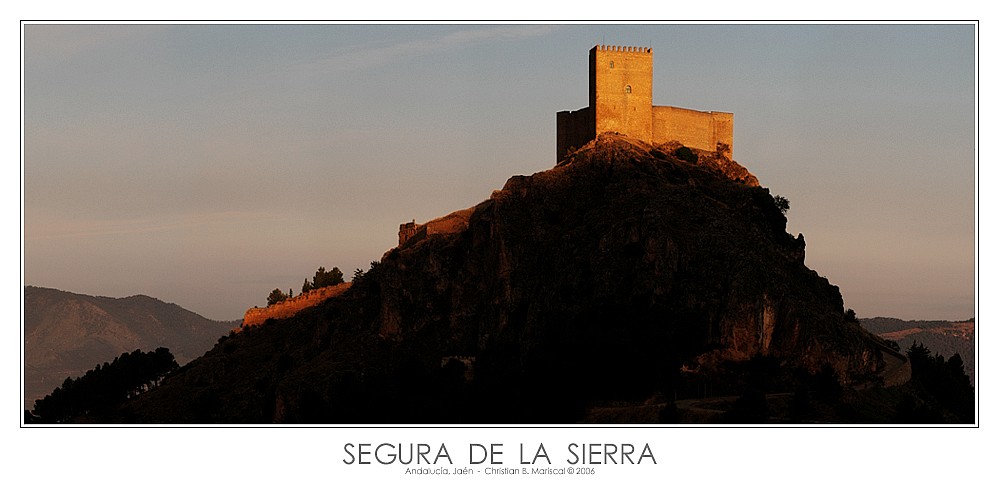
(621, 273)
(624, 232)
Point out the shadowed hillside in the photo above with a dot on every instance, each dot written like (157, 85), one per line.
(940, 337)
(66, 334)
(623, 274)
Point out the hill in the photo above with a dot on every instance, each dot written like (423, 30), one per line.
(940, 337)
(624, 273)
(65, 334)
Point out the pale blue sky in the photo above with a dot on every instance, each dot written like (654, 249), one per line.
(206, 165)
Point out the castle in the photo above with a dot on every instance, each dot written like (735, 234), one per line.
(621, 100)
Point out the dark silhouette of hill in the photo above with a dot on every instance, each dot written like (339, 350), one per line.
(66, 334)
(940, 337)
(622, 274)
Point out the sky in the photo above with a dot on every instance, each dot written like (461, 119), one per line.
(206, 165)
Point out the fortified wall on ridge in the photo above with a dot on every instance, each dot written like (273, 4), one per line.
(289, 307)
(621, 100)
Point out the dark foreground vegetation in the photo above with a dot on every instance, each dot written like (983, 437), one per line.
(104, 388)
(758, 391)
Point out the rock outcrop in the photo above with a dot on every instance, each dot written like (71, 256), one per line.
(626, 232)
(621, 273)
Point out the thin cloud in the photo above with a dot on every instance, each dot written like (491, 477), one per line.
(145, 225)
(361, 57)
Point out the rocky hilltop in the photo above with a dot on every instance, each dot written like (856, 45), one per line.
(65, 334)
(624, 273)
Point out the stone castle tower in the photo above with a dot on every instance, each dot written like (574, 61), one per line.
(621, 100)
(406, 231)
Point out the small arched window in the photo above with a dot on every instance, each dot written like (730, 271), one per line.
(611, 64)
(628, 88)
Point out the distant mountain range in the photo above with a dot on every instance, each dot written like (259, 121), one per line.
(940, 337)
(66, 334)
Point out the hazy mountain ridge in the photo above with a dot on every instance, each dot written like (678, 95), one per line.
(66, 334)
(622, 273)
(940, 337)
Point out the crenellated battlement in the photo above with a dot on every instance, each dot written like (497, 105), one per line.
(624, 49)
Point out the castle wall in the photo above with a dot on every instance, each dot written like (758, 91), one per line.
(289, 307)
(573, 130)
(621, 90)
(455, 222)
(722, 123)
(693, 128)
